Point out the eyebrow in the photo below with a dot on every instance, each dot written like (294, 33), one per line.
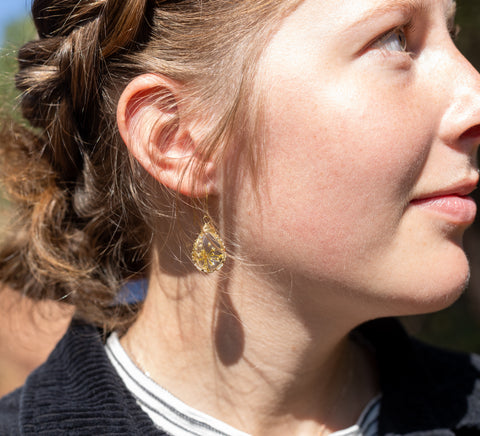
(406, 7)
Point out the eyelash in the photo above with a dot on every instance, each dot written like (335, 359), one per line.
(400, 30)
(405, 30)
(454, 30)
(400, 33)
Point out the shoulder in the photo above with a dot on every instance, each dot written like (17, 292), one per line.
(76, 391)
(400, 354)
(424, 388)
(453, 379)
(9, 413)
(448, 369)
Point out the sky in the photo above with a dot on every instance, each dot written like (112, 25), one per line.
(12, 10)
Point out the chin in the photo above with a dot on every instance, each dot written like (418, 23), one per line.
(432, 286)
(439, 293)
(443, 300)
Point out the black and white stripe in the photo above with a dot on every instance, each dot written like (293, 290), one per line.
(178, 419)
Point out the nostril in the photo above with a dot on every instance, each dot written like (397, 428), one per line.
(472, 133)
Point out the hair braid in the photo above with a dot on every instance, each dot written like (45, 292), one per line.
(86, 210)
(71, 238)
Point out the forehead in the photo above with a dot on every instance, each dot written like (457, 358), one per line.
(343, 11)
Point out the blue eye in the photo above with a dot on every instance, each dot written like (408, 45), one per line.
(394, 40)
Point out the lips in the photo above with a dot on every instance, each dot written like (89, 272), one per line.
(453, 203)
(457, 209)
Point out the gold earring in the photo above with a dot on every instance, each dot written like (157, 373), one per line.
(208, 252)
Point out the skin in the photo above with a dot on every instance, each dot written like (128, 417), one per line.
(349, 152)
(357, 132)
(28, 333)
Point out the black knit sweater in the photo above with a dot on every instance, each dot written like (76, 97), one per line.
(425, 391)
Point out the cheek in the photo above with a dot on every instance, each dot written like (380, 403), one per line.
(339, 174)
(349, 131)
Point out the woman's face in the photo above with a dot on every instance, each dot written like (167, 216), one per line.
(372, 125)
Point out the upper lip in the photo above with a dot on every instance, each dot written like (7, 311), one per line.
(462, 188)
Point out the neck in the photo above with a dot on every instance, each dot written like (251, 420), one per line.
(246, 357)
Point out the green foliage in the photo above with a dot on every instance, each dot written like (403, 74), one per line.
(17, 33)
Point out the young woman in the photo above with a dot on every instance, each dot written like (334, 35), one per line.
(283, 177)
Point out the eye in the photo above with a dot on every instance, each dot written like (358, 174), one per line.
(394, 40)
(454, 31)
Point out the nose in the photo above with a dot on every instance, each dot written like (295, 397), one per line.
(460, 125)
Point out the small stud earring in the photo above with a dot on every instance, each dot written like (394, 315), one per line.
(208, 252)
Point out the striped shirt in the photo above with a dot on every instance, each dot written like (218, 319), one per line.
(178, 419)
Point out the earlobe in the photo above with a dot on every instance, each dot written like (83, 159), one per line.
(150, 122)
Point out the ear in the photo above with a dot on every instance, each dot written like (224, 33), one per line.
(150, 121)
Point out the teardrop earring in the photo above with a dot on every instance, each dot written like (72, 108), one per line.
(208, 252)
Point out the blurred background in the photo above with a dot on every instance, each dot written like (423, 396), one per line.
(28, 331)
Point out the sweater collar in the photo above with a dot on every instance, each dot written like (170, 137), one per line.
(77, 388)
(425, 391)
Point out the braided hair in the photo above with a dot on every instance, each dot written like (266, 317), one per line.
(86, 209)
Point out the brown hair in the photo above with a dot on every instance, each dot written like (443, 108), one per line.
(86, 214)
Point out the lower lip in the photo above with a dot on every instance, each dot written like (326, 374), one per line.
(457, 209)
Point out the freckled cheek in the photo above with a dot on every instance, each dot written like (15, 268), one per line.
(362, 148)
(338, 183)
(340, 155)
